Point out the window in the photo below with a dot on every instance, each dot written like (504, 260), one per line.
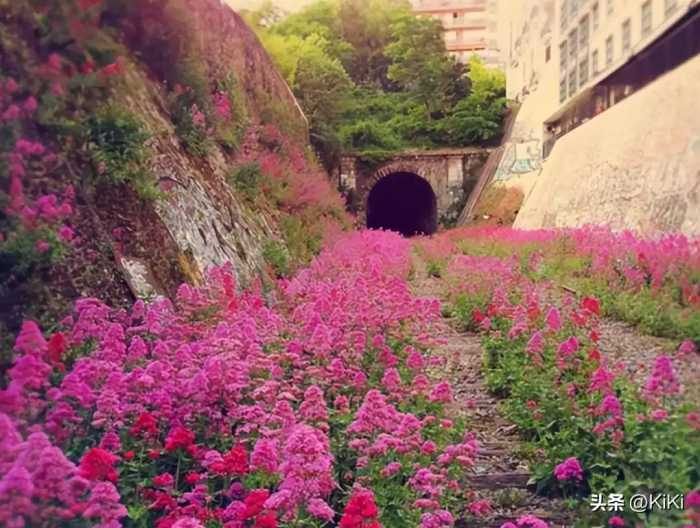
(573, 49)
(646, 18)
(583, 71)
(626, 35)
(562, 89)
(670, 6)
(595, 15)
(563, 54)
(611, 6)
(583, 33)
(594, 62)
(609, 52)
(572, 82)
(547, 53)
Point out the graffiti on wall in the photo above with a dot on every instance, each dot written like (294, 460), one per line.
(520, 158)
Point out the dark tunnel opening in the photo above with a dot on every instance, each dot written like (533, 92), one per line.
(402, 202)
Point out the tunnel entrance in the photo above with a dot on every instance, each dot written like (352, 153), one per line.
(402, 202)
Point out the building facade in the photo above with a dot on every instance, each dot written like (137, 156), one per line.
(608, 49)
(608, 123)
(470, 27)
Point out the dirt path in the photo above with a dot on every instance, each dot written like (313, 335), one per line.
(500, 474)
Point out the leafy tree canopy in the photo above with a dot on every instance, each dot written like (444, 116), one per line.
(374, 78)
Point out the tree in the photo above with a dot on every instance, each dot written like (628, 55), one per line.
(365, 25)
(421, 66)
(320, 83)
(479, 116)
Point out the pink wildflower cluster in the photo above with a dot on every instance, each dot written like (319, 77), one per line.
(27, 156)
(526, 521)
(570, 469)
(166, 385)
(222, 106)
(299, 181)
(555, 335)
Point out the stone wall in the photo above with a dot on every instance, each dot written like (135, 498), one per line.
(636, 166)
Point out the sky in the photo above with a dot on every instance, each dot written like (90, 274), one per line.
(287, 5)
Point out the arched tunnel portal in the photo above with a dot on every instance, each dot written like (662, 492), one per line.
(403, 202)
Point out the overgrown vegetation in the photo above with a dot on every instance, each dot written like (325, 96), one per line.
(596, 424)
(116, 141)
(276, 256)
(373, 79)
(247, 180)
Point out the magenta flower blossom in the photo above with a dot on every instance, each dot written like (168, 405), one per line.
(553, 320)
(320, 509)
(570, 469)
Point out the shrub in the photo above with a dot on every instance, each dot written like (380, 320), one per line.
(190, 120)
(247, 180)
(230, 112)
(116, 143)
(276, 256)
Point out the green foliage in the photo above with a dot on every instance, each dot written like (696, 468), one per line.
(653, 457)
(246, 179)
(194, 136)
(230, 132)
(276, 256)
(302, 236)
(322, 85)
(370, 135)
(479, 116)
(373, 79)
(435, 268)
(116, 142)
(420, 66)
(19, 256)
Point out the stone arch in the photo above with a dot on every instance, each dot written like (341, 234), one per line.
(399, 166)
(401, 198)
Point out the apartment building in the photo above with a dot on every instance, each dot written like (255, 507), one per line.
(607, 129)
(470, 26)
(607, 49)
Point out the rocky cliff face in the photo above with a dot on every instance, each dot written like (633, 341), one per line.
(170, 137)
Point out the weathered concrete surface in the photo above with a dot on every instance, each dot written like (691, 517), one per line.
(636, 166)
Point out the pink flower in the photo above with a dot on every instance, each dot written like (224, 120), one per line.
(163, 480)
(42, 246)
(591, 304)
(481, 508)
(104, 503)
(179, 438)
(686, 348)
(320, 509)
(616, 520)
(391, 469)
(568, 347)
(693, 420)
(97, 464)
(30, 105)
(441, 393)
(659, 415)
(530, 521)
(65, 233)
(569, 469)
(265, 455)
(692, 499)
(553, 320)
